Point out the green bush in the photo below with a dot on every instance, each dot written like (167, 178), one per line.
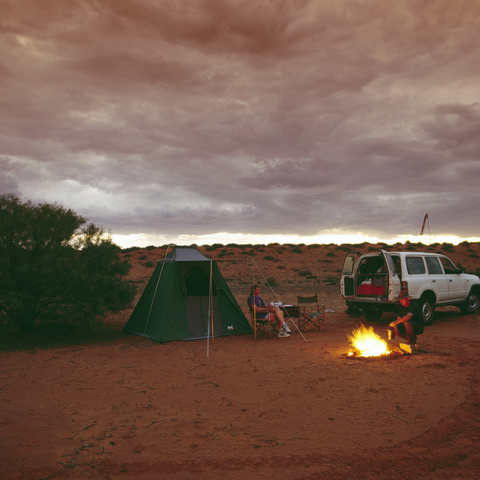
(57, 269)
(149, 264)
(268, 257)
(271, 281)
(330, 254)
(297, 250)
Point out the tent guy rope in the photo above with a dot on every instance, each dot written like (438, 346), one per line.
(155, 293)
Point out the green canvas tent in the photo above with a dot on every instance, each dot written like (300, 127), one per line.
(184, 297)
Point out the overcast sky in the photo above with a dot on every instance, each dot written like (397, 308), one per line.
(183, 121)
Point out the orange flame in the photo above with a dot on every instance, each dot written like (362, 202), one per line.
(368, 343)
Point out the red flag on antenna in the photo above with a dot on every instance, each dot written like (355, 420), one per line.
(423, 224)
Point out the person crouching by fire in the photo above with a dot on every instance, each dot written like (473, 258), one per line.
(409, 324)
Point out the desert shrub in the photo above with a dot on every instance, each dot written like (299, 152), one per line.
(344, 248)
(149, 264)
(330, 254)
(150, 247)
(447, 247)
(305, 273)
(271, 281)
(473, 255)
(268, 257)
(142, 257)
(130, 249)
(55, 268)
(312, 277)
(297, 250)
(281, 267)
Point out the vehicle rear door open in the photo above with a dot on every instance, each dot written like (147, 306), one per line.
(394, 283)
(347, 287)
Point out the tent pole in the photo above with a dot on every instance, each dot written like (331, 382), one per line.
(210, 311)
(211, 298)
(254, 303)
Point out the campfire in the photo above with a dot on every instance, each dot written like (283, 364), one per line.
(366, 343)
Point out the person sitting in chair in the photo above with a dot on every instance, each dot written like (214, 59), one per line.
(270, 312)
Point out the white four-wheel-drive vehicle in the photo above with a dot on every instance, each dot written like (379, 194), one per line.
(373, 282)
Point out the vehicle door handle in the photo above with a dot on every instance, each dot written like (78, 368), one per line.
(450, 281)
(433, 281)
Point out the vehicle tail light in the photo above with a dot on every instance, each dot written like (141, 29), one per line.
(404, 289)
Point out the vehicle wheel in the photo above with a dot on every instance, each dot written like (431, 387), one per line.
(372, 314)
(427, 308)
(472, 304)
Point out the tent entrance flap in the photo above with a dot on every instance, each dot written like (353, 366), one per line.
(196, 311)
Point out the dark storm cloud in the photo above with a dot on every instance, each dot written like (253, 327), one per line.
(291, 117)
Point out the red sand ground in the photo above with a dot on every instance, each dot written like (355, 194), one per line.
(270, 408)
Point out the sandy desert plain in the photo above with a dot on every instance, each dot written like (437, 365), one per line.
(268, 408)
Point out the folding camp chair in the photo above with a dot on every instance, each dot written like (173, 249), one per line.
(263, 325)
(309, 320)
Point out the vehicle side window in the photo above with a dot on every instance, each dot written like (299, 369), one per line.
(415, 265)
(433, 265)
(448, 266)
